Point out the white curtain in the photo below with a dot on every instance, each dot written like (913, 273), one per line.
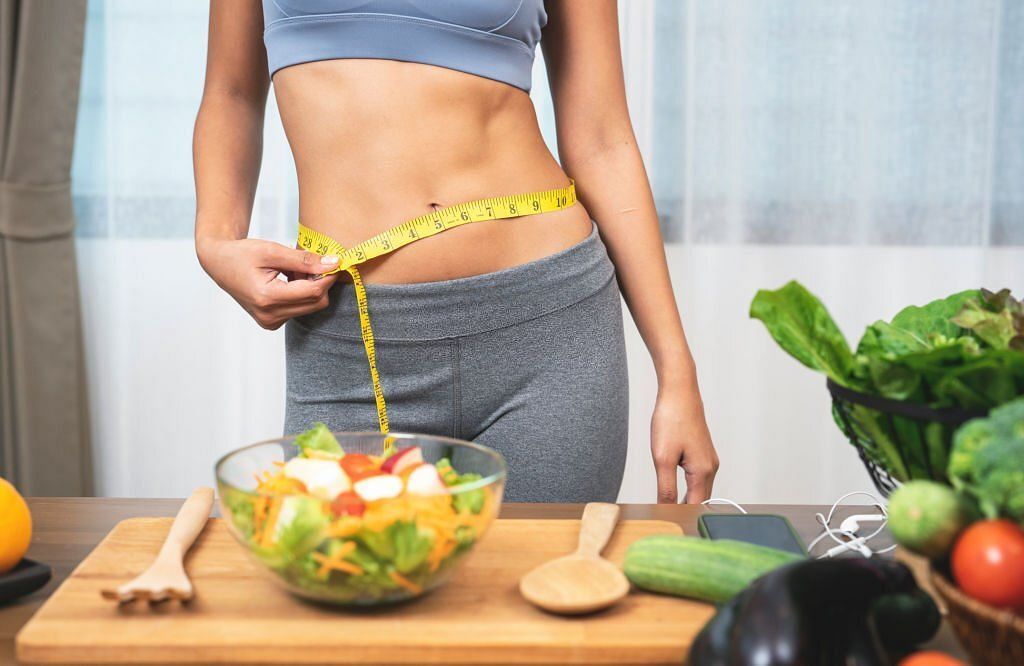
(870, 149)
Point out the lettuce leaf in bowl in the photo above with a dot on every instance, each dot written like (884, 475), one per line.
(318, 438)
(297, 530)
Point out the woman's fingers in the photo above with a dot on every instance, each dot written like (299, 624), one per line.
(667, 490)
(292, 311)
(286, 259)
(274, 318)
(295, 291)
(277, 301)
(250, 270)
(699, 474)
(698, 483)
(680, 438)
(276, 293)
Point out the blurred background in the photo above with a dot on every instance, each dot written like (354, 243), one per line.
(874, 150)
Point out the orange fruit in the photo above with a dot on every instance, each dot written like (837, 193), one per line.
(15, 527)
(930, 658)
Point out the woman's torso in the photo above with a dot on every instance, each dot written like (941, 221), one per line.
(380, 141)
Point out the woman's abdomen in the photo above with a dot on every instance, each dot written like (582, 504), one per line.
(378, 142)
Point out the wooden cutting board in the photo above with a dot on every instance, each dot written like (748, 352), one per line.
(240, 616)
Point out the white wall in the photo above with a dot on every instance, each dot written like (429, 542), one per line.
(164, 411)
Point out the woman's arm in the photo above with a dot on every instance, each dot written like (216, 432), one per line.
(598, 149)
(226, 147)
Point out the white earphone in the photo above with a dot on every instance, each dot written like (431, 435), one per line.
(846, 536)
(849, 527)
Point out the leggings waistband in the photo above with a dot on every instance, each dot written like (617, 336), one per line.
(465, 306)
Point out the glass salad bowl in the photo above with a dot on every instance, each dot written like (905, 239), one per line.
(360, 518)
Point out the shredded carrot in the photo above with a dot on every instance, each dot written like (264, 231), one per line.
(405, 582)
(441, 550)
(348, 567)
(267, 538)
(336, 563)
(345, 526)
(259, 514)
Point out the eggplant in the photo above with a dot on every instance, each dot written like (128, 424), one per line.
(808, 612)
(904, 621)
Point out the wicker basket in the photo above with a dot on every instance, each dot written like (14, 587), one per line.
(917, 438)
(991, 636)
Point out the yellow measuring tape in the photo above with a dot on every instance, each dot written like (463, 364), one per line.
(424, 226)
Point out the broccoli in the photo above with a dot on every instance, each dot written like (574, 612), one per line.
(987, 461)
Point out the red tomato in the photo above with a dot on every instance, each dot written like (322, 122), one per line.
(359, 466)
(348, 504)
(988, 563)
(930, 658)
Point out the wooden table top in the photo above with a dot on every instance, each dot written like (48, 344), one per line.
(67, 529)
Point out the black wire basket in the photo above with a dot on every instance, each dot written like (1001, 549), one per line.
(897, 440)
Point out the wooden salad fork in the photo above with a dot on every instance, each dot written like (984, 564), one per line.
(165, 578)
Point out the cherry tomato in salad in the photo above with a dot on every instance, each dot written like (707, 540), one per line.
(359, 466)
(988, 563)
(930, 658)
(348, 504)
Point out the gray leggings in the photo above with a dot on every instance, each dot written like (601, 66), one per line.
(529, 361)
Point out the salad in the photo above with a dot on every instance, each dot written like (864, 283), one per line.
(360, 528)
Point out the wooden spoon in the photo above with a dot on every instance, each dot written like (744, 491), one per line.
(582, 582)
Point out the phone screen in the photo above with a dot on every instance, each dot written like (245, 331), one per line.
(761, 529)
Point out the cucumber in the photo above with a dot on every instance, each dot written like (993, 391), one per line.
(925, 517)
(704, 569)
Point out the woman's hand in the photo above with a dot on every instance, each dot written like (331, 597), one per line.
(248, 269)
(680, 438)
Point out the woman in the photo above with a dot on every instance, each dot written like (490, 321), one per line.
(507, 332)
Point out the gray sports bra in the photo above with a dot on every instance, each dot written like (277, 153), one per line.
(491, 38)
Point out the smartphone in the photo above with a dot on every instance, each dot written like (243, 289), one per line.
(763, 529)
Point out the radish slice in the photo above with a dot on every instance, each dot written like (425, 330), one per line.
(403, 460)
(425, 480)
(324, 479)
(382, 486)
